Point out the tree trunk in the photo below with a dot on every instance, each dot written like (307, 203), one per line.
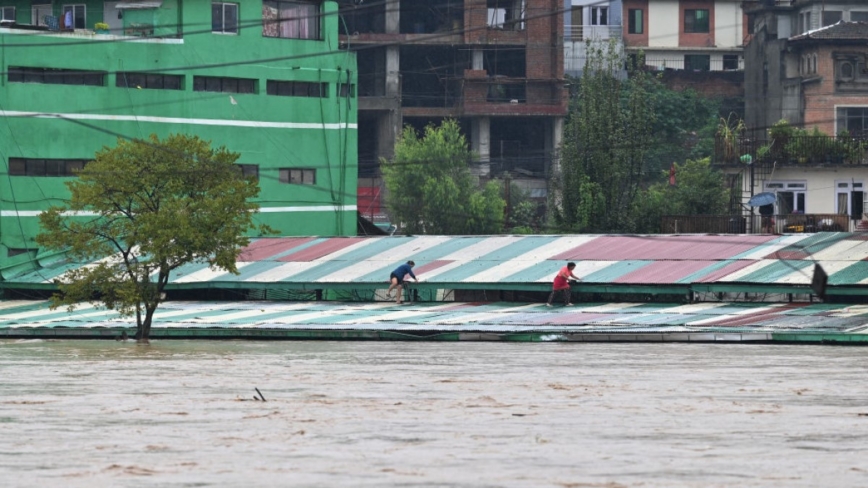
(143, 331)
(139, 330)
(146, 324)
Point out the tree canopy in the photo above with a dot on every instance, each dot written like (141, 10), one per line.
(684, 126)
(430, 189)
(699, 190)
(140, 210)
(605, 141)
(623, 132)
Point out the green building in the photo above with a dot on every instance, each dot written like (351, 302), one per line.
(265, 78)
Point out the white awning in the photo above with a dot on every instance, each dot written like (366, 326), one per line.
(131, 5)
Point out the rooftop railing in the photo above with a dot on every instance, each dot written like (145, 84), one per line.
(806, 150)
(757, 224)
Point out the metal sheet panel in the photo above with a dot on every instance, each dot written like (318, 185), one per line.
(321, 249)
(676, 247)
(262, 249)
(664, 272)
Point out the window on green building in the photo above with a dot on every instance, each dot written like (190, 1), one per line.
(74, 17)
(346, 89)
(291, 19)
(298, 176)
(52, 76)
(249, 170)
(45, 167)
(296, 89)
(224, 84)
(152, 81)
(8, 13)
(224, 17)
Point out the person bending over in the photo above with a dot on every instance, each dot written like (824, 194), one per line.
(562, 283)
(396, 280)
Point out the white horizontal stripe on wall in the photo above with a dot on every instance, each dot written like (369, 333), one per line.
(313, 208)
(177, 120)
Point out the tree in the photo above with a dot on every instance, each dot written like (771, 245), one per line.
(521, 211)
(684, 126)
(699, 190)
(430, 189)
(145, 208)
(605, 141)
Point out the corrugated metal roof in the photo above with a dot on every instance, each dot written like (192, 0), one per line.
(677, 260)
(500, 316)
(664, 247)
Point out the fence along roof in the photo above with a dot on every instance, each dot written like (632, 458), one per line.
(705, 262)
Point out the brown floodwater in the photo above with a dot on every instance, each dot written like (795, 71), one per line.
(410, 414)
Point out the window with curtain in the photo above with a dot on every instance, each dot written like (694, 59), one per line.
(849, 198)
(599, 15)
(634, 21)
(696, 21)
(291, 19)
(77, 18)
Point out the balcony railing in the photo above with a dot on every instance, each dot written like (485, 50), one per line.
(134, 24)
(792, 150)
(582, 32)
(698, 63)
(757, 224)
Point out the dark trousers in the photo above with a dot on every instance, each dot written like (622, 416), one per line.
(566, 293)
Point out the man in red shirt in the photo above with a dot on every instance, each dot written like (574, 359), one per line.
(562, 283)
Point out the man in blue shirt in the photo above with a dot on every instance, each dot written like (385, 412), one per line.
(396, 279)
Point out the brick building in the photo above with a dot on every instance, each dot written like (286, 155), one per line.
(494, 65)
(695, 44)
(806, 64)
(692, 35)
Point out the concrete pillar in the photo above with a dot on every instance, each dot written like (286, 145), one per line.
(393, 16)
(480, 143)
(476, 59)
(393, 66)
(554, 140)
(388, 129)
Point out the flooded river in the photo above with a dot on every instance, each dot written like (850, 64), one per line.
(373, 414)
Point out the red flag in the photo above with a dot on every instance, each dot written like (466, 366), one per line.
(672, 175)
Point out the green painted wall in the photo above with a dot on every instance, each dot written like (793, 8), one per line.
(72, 121)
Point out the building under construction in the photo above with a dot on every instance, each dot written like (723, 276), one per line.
(496, 66)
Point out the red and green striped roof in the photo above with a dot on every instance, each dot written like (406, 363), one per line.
(701, 262)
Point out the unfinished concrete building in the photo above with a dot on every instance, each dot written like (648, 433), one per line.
(496, 66)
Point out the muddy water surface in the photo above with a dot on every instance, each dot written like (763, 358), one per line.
(341, 414)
